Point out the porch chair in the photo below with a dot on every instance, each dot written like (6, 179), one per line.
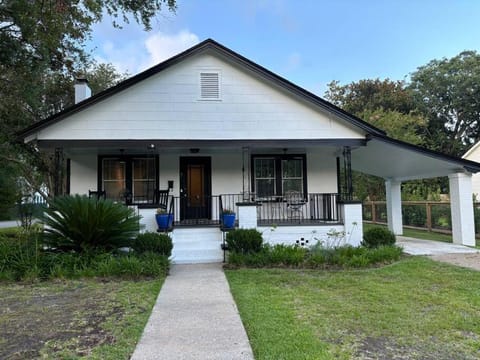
(161, 198)
(295, 202)
(98, 194)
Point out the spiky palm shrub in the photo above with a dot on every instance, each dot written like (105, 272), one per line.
(77, 223)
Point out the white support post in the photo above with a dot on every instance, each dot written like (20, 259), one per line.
(461, 206)
(394, 206)
(353, 222)
(247, 215)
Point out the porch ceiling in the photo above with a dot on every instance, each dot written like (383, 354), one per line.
(393, 159)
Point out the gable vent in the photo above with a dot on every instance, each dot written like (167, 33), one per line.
(209, 86)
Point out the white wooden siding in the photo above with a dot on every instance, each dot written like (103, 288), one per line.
(321, 170)
(226, 172)
(83, 170)
(166, 106)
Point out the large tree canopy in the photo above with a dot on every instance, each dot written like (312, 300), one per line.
(390, 106)
(386, 104)
(38, 38)
(41, 50)
(371, 95)
(447, 91)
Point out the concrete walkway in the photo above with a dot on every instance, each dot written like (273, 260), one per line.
(194, 317)
(414, 246)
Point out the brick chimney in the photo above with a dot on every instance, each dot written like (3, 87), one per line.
(82, 91)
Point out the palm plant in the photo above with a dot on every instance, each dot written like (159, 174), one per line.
(78, 223)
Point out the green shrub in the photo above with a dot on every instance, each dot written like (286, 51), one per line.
(352, 257)
(289, 255)
(19, 257)
(131, 266)
(414, 215)
(78, 223)
(244, 241)
(153, 242)
(378, 236)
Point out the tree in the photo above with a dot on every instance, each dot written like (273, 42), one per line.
(388, 105)
(447, 91)
(371, 95)
(41, 49)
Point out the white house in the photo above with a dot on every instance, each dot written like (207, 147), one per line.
(220, 131)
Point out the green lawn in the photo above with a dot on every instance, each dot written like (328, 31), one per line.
(413, 309)
(70, 319)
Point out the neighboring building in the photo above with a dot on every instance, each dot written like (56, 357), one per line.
(220, 131)
(474, 155)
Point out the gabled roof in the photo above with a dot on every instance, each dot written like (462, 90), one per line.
(211, 45)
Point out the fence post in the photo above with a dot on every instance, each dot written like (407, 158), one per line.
(374, 214)
(428, 207)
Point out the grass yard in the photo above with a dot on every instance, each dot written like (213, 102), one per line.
(413, 309)
(69, 319)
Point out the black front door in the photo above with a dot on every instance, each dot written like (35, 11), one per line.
(195, 188)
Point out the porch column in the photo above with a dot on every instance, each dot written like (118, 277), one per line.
(353, 222)
(394, 206)
(247, 215)
(461, 207)
(58, 178)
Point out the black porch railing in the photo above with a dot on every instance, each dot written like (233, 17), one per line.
(314, 208)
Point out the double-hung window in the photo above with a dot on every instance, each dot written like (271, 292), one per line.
(276, 175)
(129, 179)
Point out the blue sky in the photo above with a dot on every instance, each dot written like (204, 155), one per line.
(309, 42)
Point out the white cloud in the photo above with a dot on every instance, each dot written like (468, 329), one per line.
(161, 46)
(137, 54)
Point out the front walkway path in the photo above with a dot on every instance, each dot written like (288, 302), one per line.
(194, 317)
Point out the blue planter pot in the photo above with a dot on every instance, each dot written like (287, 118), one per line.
(164, 221)
(228, 220)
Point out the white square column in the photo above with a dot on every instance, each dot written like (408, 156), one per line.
(353, 220)
(393, 191)
(461, 206)
(247, 215)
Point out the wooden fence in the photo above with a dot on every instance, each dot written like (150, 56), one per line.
(425, 215)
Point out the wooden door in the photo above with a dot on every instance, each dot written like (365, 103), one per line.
(195, 188)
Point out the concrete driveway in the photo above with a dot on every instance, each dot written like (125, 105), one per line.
(414, 246)
(454, 254)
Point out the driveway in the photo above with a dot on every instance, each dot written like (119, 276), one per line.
(454, 254)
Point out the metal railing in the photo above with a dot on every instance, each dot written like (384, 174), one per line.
(311, 209)
(315, 208)
(196, 210)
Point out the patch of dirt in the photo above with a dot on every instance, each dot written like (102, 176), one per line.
(384, 348)
(64, 315)
(471, 261)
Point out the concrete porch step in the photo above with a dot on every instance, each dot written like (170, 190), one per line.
(196, 245)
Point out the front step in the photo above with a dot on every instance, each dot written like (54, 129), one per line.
(196, 245)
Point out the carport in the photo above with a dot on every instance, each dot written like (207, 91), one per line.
(397, 161)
